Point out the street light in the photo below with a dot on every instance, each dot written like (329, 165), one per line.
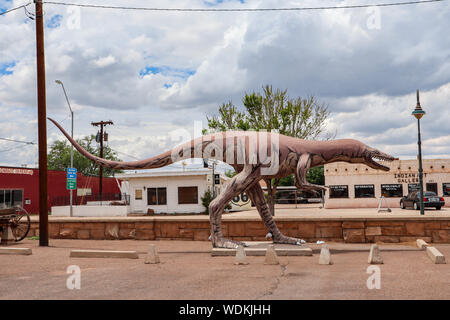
(418, 113)
(71, 151)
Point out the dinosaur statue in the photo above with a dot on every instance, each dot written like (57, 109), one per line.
(254, 156)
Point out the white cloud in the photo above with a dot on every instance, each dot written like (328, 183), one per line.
(367, 77)
(104, 61)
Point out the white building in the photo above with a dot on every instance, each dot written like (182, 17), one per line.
(170, 191)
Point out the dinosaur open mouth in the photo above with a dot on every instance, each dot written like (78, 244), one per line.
(374, 159)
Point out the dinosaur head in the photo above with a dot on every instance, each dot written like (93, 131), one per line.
(354, 151)
(371, 155)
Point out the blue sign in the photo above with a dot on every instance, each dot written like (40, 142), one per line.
(71, 176)
(72, 170)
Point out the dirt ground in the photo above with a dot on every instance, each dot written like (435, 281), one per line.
(187, 271)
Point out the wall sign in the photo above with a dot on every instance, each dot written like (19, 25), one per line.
(16, 171)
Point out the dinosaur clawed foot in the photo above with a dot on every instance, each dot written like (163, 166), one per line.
(289, 240)
(221, 242)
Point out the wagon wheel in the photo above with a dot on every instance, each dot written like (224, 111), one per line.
(20, 224)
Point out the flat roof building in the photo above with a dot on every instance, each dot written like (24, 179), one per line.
(359, 186)
(173, 191)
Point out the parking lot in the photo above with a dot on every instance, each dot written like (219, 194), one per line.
(187, 271)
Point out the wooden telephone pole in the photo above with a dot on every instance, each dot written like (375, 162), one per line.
(101, 124)
(42, 126)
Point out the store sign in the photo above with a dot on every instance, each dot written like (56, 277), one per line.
(339, 188)
(407, 177)
(16, 171)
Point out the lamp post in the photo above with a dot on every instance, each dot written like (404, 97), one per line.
(418, 113)
(71, 151)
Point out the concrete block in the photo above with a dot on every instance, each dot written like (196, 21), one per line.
(103, 254)
(374, 255)
(294, 251)
(7, 236)
(421, 244)
(241, 258)
(152, 256)
(435, 255)
(16, 251)
(325, 256)
(271, 256)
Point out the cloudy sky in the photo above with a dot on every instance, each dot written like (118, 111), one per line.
(155, 73)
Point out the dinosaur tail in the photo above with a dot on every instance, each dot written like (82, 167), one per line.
(158, 161)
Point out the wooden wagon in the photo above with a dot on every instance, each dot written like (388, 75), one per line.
(15, 224)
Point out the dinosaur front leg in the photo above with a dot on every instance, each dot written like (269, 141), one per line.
(239, 183)
(301, 183)
(257, 196)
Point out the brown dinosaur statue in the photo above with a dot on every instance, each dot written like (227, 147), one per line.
(254, 156)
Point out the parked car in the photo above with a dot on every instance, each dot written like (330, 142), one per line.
(430, 199)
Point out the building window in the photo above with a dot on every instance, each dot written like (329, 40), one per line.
(365, 191)
(156, 196)
(138, 194)
(11, 198)
(187, 195)
(391, 190)
(339, 191)
(446, 189)
(432, 187)
(413, 187)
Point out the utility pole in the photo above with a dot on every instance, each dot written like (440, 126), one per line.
(101, 124)
(42, 126)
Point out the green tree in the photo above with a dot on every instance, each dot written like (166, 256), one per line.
(302, 118)
(230, 173)
(59, 157)
(316, 176)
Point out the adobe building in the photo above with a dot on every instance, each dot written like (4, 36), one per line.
(20, 186)
(359, 186)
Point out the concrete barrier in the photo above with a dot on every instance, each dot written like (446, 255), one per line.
(435, 255)
(325, 256)
(241, 257)
(103, 254)
(16, 251)
(375, 255)
(421, 244)
(296, 251)
(271, 255)
(152, 255)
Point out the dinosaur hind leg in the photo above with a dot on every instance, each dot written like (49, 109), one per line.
(257, 196)
(239, 183)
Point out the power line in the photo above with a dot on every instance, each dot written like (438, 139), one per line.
(12, 140)
(124, 154)
(14, 148)
(242, 9)
(16, 8)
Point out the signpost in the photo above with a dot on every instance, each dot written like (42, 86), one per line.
(71, 182)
